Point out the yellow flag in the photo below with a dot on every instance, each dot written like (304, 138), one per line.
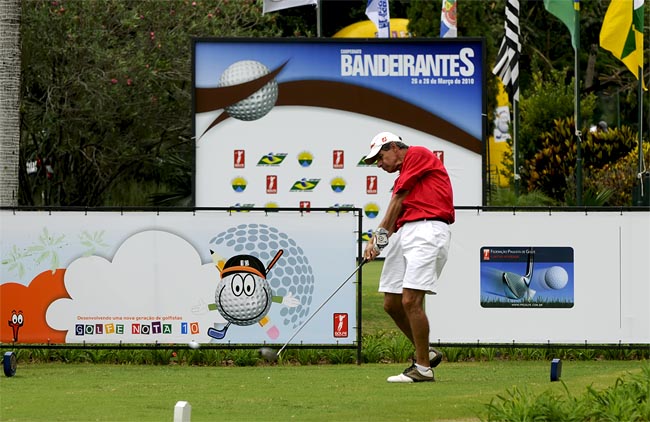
(622, 33)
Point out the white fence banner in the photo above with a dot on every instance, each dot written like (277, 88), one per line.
(513, 277)
(208, 276)
(545, 277)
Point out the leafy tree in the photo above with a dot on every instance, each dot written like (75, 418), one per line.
(106, 92)
(552, 168)
(548, 45)
(549, 98)
(618, 177)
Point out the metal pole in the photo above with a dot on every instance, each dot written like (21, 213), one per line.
(640, 192)
(318, 19)
(578, 134)
(515, 138)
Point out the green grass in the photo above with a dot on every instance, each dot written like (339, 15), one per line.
(375, 320)
(83, 392)
(238, 386)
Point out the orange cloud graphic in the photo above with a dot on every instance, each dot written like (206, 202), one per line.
(32, 301)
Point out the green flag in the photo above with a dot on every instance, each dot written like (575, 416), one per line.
(622, 33)
(566, 11)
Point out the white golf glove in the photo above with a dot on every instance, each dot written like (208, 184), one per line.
(381, 239)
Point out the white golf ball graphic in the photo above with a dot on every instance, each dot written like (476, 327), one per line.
(257, 104)
(556, 277)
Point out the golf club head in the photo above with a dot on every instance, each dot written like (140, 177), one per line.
(268, 354)
(515, 286)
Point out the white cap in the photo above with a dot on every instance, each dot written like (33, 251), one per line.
(379, 141)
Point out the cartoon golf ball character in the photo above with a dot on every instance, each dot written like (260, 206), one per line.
(243, 295)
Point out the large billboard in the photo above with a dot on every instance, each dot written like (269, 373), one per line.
(287, 122)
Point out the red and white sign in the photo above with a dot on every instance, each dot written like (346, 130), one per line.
(239, 159)
(371, 185)
(338, 158)
(271, 183)
(306, 205)
(486, 254)
(340, 324)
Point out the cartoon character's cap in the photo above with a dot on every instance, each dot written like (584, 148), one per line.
(244, 264)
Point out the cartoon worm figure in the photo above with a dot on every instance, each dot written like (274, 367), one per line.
(15, 323)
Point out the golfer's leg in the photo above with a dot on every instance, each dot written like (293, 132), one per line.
(393, 307)
(413, 303)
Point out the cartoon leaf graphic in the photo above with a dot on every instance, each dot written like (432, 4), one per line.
(47, 248)
(92, 242)
(42, 257)
(54, 262)
(15, 261)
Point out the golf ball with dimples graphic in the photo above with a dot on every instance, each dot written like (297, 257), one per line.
(243, 298)
(257, 104)
(556, 277)
(291, 274)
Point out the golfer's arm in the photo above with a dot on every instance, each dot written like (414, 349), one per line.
(393, 211)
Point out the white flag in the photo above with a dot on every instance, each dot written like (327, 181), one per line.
(273, 5)
(377, 11)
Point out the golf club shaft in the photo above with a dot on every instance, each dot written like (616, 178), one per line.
(320, 307)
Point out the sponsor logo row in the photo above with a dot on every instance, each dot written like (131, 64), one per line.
(337, 184)
(304, 158)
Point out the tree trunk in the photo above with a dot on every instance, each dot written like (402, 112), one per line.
(9, 100)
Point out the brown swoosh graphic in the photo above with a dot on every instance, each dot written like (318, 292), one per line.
(357, 99)
(339, 96)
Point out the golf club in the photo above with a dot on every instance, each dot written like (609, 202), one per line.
(270, 354)
(517, 286)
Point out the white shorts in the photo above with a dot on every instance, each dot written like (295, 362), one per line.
(416, 255)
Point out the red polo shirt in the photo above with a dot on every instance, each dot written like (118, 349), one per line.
(430, 193)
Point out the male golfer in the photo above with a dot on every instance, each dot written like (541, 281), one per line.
(417, 222)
